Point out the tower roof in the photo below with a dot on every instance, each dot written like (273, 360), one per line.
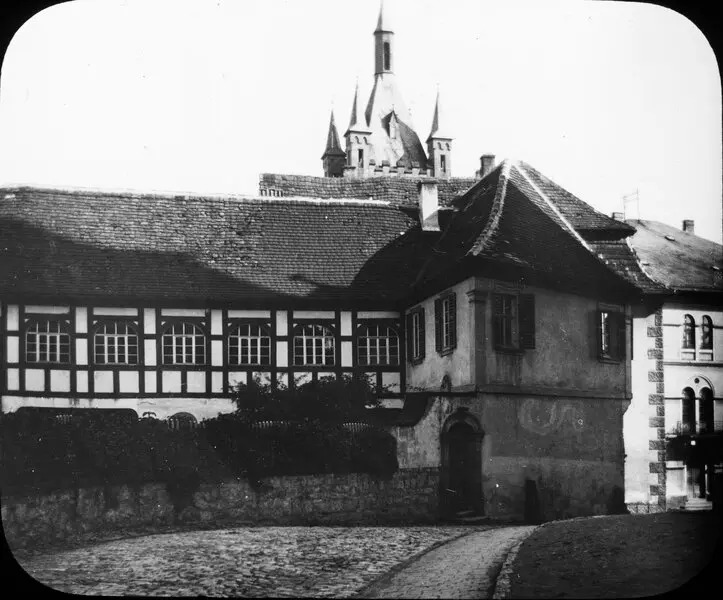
(357, 121)
(332, 139)
(383, 22)
(436, 131)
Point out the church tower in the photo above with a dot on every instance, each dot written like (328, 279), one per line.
(333, 158)
(381, 140)
(439, 147)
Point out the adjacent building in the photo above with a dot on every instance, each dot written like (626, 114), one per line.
(677, 367)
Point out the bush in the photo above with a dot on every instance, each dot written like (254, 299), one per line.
(275, 431)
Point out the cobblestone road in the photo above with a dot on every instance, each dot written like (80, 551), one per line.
(248, 561)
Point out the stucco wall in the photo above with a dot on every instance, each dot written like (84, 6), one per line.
(410, 496)
(429, 374)
(565, 356)
(572, 448)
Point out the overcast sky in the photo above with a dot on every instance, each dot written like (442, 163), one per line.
(606, 98)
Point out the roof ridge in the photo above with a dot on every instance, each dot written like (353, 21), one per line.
(496, 211)
(554, 208)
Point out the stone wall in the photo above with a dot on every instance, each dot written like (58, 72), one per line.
(412, 495)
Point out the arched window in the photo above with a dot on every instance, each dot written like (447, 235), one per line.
(183, 344)
(47, 341)
(689, 333)
(706, 333)
(313, 345)
(249, 344)
(116, 343)
(377, 345)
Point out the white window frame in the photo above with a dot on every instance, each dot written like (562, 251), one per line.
(186, 340)
(257, 339)
(377, 345)
(122, 343)
(314, 345)
(53, 336)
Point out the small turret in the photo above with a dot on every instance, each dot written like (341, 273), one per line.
(334, 158)
(357, 137)
(439, 147)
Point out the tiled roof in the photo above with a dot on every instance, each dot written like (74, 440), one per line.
(507, 219)
(676, 259)
(579, 214)
(620, 256)
(222, 249)
(396, 189)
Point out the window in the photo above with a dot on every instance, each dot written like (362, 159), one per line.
(377, 345)
(360, 158)
(611, 335)
(443, 163)
(47, 341)
(687, 351)
(116, 343)
(415, 335)
(706, 333)
(445, 323)
(313, 345)
(706, 339)
(387, 57)
(249, 344)
(184, 343)
(513, 321)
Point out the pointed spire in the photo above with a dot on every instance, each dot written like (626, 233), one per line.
(332, 139)
(355, 117)
(383, 22)
(357, 121)
(436, 132)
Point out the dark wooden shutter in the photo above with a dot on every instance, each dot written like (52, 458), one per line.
(453, 321)
(422, 334)
(409, 333)
(496, 312)
(437, 324)
(596, 334)
(619, 332)
(526, 309)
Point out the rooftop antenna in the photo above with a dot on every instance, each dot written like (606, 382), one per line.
(633, 197)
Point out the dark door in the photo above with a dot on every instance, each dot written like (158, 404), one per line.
(464, 466)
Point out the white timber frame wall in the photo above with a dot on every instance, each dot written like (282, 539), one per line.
(165, 389)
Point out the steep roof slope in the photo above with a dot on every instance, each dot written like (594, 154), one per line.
(510, 220)
(677, 259)
(71, 243)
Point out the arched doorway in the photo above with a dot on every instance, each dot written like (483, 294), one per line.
(462, 465)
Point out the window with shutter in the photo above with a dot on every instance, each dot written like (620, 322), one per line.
(505, 321)
(415, 335)
(445, 323)
(611, 335)
(527, 321)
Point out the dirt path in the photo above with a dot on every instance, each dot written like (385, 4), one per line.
(463, 568)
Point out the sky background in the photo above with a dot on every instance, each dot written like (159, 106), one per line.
(606, 98)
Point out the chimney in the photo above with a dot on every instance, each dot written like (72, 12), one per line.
(428, 205)
(689, 226)
(618, 216)
(487, 163)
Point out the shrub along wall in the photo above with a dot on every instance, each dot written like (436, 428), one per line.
(409, 496)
